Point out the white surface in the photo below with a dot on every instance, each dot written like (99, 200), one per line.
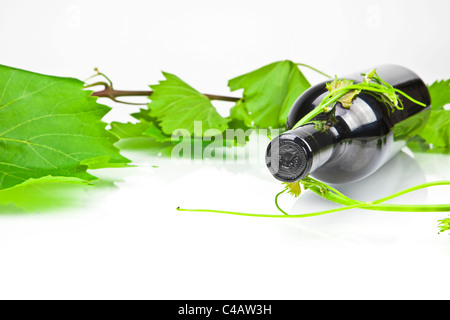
(129, 242)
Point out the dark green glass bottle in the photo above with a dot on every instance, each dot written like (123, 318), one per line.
(359, 142)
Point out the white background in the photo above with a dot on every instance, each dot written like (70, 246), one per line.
(128, 241)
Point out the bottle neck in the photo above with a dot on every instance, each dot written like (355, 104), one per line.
(295, 153)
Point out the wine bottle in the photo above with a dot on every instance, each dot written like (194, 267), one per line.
(358, 141)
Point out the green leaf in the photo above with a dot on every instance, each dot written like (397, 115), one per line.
(436, 132)
(293, 188)
(240, 117)
(129, 129)
(51, 126)
(51, 193)
(176, 105)
(44, 193)
(444, 225)
(155, 132)
(143, 128)
(440, 94)
(418, 145)
(346, 99)
(270, 91)
(437, 129)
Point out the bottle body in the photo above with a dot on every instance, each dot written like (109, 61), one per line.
(364, 137)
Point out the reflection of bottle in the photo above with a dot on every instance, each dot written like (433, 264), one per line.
(363, 138)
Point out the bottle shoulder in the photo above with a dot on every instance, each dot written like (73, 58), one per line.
(306, 102)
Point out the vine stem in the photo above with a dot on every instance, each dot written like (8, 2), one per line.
(284, 215)
(376, 204)
(312, 68)
(348, 203)
(111, 93)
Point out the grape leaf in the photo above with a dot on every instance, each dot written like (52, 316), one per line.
(440, 94)
(51, 126)
(129, 129)
(346, 99)
(437, 129)
(418, 145)
(176, 105)
(155, 132)
(43, 193)
(444, 225)
(239, 117)
(270, 92)
(293, 188)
